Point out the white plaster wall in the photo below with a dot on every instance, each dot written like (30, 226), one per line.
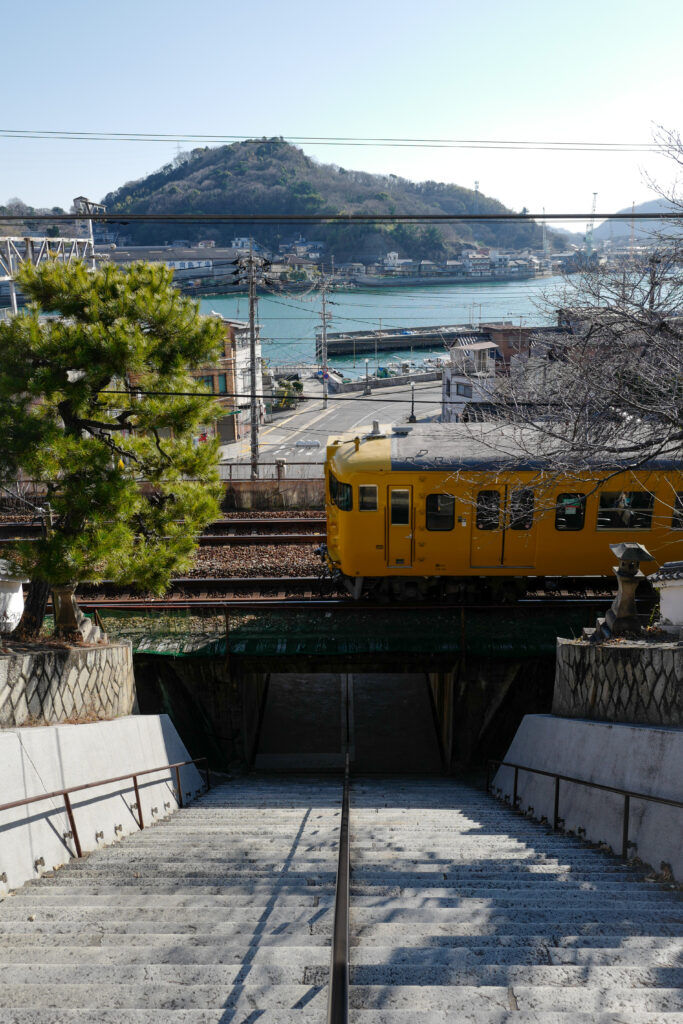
(642, 758)
(45, 759)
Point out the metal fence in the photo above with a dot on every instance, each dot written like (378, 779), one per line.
(281, 470)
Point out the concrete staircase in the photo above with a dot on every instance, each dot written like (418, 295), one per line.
(462, 911)
(221, 913)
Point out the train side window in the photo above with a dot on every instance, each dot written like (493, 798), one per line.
(521, 509)
(570, 512)
(625, 510)
(400, 507)
(440, 511)
(334, 487)
(488, 510)
(677, 518)
(367, 498)
(341, 494)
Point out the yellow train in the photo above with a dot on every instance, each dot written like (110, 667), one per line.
(409, 506)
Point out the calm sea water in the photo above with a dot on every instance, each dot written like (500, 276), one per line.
(289, 322)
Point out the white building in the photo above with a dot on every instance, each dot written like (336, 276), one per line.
(468, 377)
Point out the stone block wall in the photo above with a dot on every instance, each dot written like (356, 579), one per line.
(626, 681)
(56, 685)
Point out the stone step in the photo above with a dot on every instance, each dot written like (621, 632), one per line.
(534, 954)
(557, 916)
(236, 953)
(612, 980)
(400, 1016)
(299, 967)
(59, 886)
(167, 902)
(316, 921)
(467, 1000)
(241, 936)
(307, 1014)
(150, 918)
(163, 952)
(430, 933)
(242, 998)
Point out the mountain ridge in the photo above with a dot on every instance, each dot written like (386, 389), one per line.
(276, 178)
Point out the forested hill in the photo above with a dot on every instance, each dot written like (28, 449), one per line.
(270, 176)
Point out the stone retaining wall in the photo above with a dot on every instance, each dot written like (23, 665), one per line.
(56, 685)
(628, 681)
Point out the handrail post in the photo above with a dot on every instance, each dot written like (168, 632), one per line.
(180, 791)
(556, 805)
(624, 827)
(514, 788)
(138, 801)
(72, 825)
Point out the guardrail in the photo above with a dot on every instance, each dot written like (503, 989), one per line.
(627, 794)
(66, 793)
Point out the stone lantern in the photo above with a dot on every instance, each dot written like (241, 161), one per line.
(11, 597)
(621, 617)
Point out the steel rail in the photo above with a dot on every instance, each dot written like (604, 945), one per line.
(628, 794)
(66, 793)
(258, 539)
(338, 998)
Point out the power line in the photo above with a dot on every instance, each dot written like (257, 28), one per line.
(341, 140)
(325, 218)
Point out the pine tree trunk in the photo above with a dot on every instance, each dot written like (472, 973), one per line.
(34, 610)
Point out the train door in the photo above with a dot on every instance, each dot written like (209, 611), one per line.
(519, 536)
(399, 527)
(486, 539)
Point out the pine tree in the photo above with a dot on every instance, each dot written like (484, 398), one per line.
(83, 371)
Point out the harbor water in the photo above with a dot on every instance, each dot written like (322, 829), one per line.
(289, 322)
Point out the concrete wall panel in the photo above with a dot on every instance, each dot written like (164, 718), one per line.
(42, 760)
(644, 759)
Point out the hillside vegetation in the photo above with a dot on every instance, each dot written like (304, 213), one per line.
(270, 176)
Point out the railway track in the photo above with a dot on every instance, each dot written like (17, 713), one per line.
(252, 532)
(253, 592)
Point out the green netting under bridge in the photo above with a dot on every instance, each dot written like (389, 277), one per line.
(324, 633)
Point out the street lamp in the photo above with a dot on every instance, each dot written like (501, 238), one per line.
(367, 390)
(412, 418)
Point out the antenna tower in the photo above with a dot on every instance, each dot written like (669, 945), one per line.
(589, 229)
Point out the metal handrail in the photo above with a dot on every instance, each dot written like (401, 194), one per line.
(338, 1002)
(65, 793)
(628, 794)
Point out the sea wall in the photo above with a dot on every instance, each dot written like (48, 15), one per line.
(626, 681)
(53, 685)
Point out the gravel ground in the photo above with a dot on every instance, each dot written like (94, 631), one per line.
(270, 560)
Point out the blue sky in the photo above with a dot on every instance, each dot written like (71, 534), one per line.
(586, 72)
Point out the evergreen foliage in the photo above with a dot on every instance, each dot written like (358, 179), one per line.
(129, 490)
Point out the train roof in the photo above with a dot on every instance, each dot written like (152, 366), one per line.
(488, 447)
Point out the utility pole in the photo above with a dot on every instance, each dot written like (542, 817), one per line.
(325, 317)
(251, 268)
(252, 365)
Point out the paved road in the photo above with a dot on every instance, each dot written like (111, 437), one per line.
(312, 423)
